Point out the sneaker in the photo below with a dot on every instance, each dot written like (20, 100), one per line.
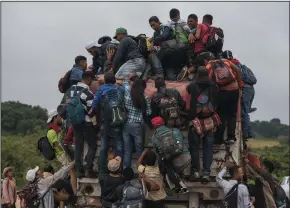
(194, 177)
(182, 74)
(205, 179)
(183, 191)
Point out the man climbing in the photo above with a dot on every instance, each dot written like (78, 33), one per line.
(78, 69)
(128, 50)
(98, 63)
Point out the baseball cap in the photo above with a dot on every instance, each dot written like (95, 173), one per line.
(51, 115)
(227, 55)
(91, 44)
(120, 30)
(30, 175)
(114, 164)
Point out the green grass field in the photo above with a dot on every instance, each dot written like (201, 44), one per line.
(261, 143)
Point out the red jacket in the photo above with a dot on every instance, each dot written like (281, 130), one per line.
(69, 137)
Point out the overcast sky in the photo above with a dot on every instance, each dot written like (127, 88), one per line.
(41, 39)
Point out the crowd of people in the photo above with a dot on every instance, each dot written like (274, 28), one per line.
(117, 111)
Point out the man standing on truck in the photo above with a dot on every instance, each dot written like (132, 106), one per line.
(128, 50)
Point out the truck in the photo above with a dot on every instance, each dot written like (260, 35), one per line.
(200, 195)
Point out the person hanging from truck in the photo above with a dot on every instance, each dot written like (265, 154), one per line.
(236, 193)
(83, 119)
(203, 122)
(127, 50)
(248, 93)
(168, 104)
(94, 49)
(137, 105)
(228, 78)
(169, 145)
(55, 135)
(110, 106)
(158, 49)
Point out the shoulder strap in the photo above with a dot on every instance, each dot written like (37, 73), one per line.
(236, 186)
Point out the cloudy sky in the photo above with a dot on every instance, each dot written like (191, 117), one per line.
(41, 39)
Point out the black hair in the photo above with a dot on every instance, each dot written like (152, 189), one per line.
(48, 168)
(233, 170)
(204, 56)
(208, 18)
(159, 82)
(154, 19)
(269, 165)
(128, 174)
(149, 158)
(104, 39)
(78, 59)
(137, 93)
(192, 16)
(110, 78)
(61, 110)
(174, 13)
(87, 74)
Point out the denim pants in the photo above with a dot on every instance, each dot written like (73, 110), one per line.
(85, 132)
(155, 63)
(136, 65)
(248, 94)
(132, 133)
(116, 137)
(194, 141)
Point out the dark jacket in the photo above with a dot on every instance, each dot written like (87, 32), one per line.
(194, 90)
(127, 50)
(164, 34)
(160, 94)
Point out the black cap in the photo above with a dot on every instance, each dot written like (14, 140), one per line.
(227, 55)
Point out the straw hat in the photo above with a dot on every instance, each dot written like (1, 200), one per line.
(6, 170)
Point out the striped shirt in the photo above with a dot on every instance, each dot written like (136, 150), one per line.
(87, 98)
(134, 115)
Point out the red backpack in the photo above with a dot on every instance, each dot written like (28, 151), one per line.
(220, 72)
(63, 83)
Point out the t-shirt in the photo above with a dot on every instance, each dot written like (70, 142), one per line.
(55, 138)
(199, 45)
(110, 185)
(153, 174)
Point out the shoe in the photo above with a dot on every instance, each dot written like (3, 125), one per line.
(205, 179)
(194, 177)
(183, 191)
(91, 174)
(182, 74)
(231, 140)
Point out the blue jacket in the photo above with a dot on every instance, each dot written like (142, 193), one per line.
(76, 73)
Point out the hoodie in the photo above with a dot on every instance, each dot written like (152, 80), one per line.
(76, 73)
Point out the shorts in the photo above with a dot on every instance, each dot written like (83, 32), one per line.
(63, 159)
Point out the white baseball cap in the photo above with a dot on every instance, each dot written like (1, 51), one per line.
(91, 44)
(51, 114)
(30, 175)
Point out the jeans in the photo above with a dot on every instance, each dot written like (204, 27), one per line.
(155, 63)
(194, 140)
(132, 131)
(248, 94)
(136, 65)
(153, 204)
(227, 110)
(85, 132)
(117, 144)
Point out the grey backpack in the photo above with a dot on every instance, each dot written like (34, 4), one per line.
(133, 196)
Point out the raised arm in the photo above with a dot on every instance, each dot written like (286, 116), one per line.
(220, 181)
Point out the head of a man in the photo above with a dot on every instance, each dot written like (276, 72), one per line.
(34, 174)
(88, 77)
(92, 48)
(149, 158)
(203, 58)
(207, 19)
(114, 165)
(109, 78)
(54, 118)
(236, 172)
(81, 61)
(120, 34)
(128, 174)
(159, 83)
(155, 23)
(267, 166)
(192, 21)
(174, 15)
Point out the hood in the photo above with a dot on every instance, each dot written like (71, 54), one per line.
(105, 87)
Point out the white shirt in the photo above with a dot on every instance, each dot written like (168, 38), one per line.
(243, 193)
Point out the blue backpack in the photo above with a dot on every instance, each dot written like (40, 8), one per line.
(75, 109)
(248, 76)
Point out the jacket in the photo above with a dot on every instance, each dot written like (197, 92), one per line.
(127, 50)
(9, 191)
(76, 73)
(165, 33)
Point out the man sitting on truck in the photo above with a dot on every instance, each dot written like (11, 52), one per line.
(128, 50)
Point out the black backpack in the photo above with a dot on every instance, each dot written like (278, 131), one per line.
(64, 83)
(113, 108)
(231, 199)
(142, 45)
(215, 39)
(45, 148)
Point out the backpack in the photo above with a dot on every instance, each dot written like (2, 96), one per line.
(64, 83)
(204, 106)
(75, 109)
(133, 195)
(169, 110)
(248, 76)
(113, 108)
(214, 39)
(45, 148)
(166, 144)
(279, 197)
(231, 199)
(142, 45)
(221, 73)
(180, 34)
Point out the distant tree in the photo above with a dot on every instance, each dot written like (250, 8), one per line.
(275, 121)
